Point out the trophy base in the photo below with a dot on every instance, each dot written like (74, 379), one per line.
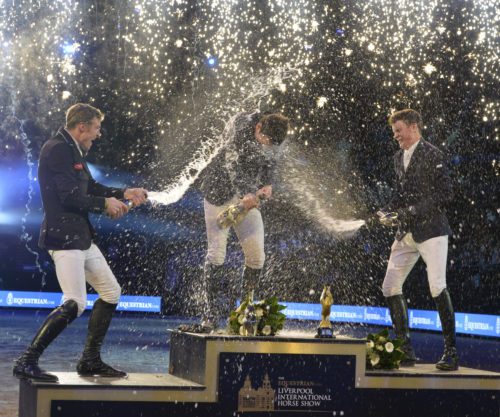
(325, 333)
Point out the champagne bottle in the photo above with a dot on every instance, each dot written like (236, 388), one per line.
(234, 214)
(389, 219)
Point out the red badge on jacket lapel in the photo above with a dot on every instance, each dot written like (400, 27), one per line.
(78, 166)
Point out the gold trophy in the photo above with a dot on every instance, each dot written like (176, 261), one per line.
(234, 214)
(325, 329)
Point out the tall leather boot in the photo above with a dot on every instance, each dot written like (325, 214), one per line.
(218, 295)
(250, 281)
(399, 317)
(91, 363)
(27, 364)
(449, 360)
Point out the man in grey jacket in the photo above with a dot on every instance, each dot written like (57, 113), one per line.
(241, 173)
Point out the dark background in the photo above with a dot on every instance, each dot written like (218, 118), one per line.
(337, 69)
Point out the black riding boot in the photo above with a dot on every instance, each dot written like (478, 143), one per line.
(399, 317)
(27, 364)
(250, 281)
(220, 299)
(449, 360)
(91, 363)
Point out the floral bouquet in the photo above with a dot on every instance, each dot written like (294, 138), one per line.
(383, 352)
(257, 318)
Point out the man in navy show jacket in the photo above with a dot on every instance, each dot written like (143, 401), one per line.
(423, 190)
(69, 194)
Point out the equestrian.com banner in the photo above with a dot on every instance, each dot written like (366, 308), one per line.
(475, 324)
(53, 299)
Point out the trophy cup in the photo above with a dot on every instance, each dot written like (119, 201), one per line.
(250, 325)
(325, 329)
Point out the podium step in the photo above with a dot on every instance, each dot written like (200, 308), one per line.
(133, 380)
(221, 375)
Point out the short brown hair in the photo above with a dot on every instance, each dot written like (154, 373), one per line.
(82, 113)
(275, 126)
(409, 116)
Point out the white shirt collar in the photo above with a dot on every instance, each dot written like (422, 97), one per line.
(76, 143)
(411, 149)
(407, 154)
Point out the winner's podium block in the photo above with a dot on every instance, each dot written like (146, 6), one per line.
(219, 375)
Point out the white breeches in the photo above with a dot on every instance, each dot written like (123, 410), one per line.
(404, 255)
(250, 233)
(75, 267)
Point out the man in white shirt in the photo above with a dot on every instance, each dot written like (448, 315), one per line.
(423, 188)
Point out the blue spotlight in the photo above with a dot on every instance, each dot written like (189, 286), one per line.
(95, 171)
(212, 61)
(8, 218)
(69, 48)
(339, 32)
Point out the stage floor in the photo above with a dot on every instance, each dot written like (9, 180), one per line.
(140, 345)
(428, 369)
(150, 380)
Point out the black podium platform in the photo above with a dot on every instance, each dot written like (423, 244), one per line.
(219, 375)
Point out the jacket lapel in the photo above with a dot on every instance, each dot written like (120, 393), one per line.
(77, 156)
(415, 158)
(400, 171)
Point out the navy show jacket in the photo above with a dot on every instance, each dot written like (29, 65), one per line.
(426, 185)
(69, 194)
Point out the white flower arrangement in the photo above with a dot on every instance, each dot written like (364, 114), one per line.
(389, 347)
(383, 352)
(259, 318)
(374, 359)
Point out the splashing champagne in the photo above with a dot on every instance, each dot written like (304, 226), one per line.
(303, 175)
(248, 97)
(234, 214)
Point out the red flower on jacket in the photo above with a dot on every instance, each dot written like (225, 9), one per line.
(78, 166)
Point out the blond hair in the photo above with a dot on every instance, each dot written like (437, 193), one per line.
(82, 113)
